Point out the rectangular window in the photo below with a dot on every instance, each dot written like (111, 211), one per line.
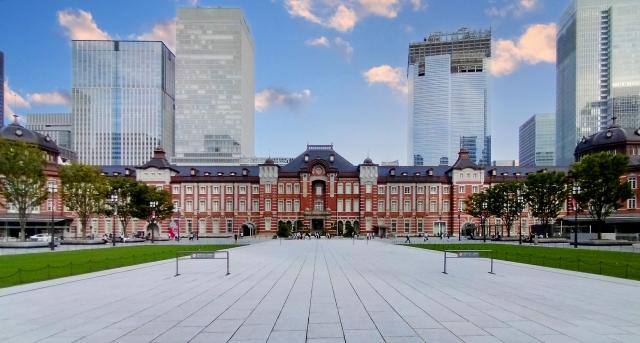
(296, 205)
(280, 205)
(267, 205)
(175, 189)
(229, 190)
(347, 188)
(394, 206)
(380, 189)
(407, 226)
(202, 206)
(229, 207)
(202, 226)
(461, 189)
(381, 206)
(255, 189)
(215, 206)
(631, 202)
(407, 206)
(474, 189)
(340, 205)
(420, 206)
(267, 224)
(445, 206)
(49, 205)
(433, 189)
(243, 206)
(229, 225)
(159, 188)
(176, 205)
(108, 226)
(394, 189)
(267, 188)
(347, 205)
(420, 226)
(356, 205)
(432, 206)
(445, 190)
(189, 206)
(189, 225)
(203, 190)
(289, 188)
(420, 190)
(367, 205)
(462, 205)
(368, 188)
(356, 188)
(280, 189)
(216, 190)
(394, 226)
(340, 187)
(632, 182)
(243, 190)
(255, 206)
(296, 188)
(189, 190)
(289, 206)
(407, 190)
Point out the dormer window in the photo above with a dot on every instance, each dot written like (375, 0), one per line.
(207, 174)
(220, 173)
(306, 157)
(127, 171)
(417, 174)
(232, 173)
(404, 174)
(392, 172)
(116, 173)
(193, 172)
(245, 171)
(332, 158)
(493, 172)
(505, 174)
(516, 173)
(430, 172)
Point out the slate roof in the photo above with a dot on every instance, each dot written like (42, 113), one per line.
(17, 132)
(319, 153)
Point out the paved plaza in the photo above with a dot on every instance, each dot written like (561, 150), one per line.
(324, 291)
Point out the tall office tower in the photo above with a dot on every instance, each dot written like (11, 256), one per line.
(1, 89)
(448, 103)
(597, 70)
(58, 126)
(538, 140)
(122, 100)
(214, 87)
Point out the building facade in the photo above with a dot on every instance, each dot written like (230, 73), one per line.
(214, 87)
(537, 140)
(597, 70)
(122, 100)
(448, 102)
(57, 126)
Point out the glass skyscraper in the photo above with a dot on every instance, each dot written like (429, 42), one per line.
(448, 104)
(58, 126)
(597, 70)
(122, 100)
(538, 141)
(214, 87)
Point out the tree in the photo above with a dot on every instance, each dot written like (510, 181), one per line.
(22, 179)
(601, 189)
(477, 206)
(147, 194)
(283, 230)
(506, 201)
(84, 191)
(348, 230)
(546, 193)
(126, 189)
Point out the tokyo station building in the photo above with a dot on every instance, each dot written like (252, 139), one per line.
(319, 190)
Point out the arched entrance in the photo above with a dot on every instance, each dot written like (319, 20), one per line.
(469, 229)
(340, 228)
(248, 229)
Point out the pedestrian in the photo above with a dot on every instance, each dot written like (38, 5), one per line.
(197, 236)
(241, 234)
(235, 237)
(426, 238)
(407, 240)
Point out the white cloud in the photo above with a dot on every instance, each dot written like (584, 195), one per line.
(386, 75)
(344, 47)
(344, 19)
(513, 8)
(50, 98)
(279, 97)
(12, 100)
(163, 31)
(343, 15)
(320, 41)
(79, 24)
(537, 44)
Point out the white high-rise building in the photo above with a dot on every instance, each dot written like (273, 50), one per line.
(214, 87)
(448, 104)
(537, 140)
(597, 71)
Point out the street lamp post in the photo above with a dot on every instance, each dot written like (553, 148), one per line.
(484, 219)
(520, 202)
(53, 187)
(114, 204)
(459, 225)
(576, 191)
(152, 205)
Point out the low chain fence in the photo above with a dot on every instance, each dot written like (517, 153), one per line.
(52, 271)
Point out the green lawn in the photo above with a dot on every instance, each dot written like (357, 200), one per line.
(611, 263)
(25, 268)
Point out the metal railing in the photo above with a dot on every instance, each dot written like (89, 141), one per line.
(202, 254)
(466, 254)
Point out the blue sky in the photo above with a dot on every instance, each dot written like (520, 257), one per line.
(327, 71)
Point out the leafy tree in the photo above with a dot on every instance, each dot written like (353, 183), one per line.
(477, 206)
(506, 201)
(146, 195)
(601, 189)
(545, 193)
(348, 230)
(283, 230)
(22, 181)
(84, 191)
(127, 189)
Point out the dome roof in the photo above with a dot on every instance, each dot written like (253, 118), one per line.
(368, 161)
(612, 136)
(17, 132)
(269, 161)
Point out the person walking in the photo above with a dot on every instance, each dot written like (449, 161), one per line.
(235, 238)
(407, 240)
